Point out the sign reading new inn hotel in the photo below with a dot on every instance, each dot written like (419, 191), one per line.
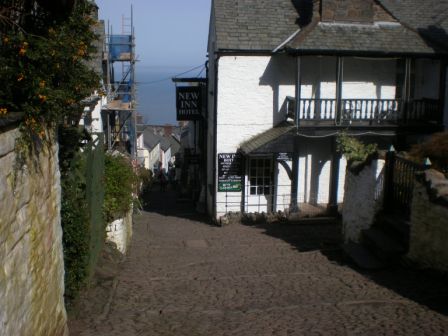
(189, 102)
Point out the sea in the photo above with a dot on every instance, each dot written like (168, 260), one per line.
(156, 94)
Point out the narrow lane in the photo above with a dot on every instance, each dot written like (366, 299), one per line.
(184, 276)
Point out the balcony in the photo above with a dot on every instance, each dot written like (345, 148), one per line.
(366, 112)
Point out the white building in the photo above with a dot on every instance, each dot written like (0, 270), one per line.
(285, 77)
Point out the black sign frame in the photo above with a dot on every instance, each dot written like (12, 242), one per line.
(189, 102)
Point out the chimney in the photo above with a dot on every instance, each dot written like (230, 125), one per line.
(348, 11)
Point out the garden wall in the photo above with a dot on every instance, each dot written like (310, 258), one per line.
(32, 266)
(429, 221)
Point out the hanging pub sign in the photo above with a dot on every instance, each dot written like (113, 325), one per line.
(230, 172)
(189, 102)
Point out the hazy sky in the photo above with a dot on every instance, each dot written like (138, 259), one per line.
(171, 37)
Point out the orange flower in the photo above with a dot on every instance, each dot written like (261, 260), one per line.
(42, 84)
(5, 40)
(20, 77)
(23, 48)
(3, 111)
(42, 98)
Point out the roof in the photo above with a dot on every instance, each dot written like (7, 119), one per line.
(380, 38)
(253, 24)
(150, 139)
(266, 25)
(254, 144)
(428, 17)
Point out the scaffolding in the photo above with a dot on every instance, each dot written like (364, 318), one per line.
(119, 114)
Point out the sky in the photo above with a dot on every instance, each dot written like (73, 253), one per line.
(171, 38)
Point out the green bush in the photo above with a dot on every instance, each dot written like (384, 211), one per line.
(74, 211)
(354, 150)
(120, 184)
(81, 209)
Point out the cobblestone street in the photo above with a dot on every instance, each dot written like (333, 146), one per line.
(184, 276)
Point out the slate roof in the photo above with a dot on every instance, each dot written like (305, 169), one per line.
(150, 139)
(256, 25)
(428, 17)
(387, 38)
(266, 137)
(264, 25)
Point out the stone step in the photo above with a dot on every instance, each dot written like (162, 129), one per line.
(383, 245)
(362, 257)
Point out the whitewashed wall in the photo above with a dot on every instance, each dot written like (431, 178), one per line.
(360, 203)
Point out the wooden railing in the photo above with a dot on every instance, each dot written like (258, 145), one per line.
(370, 111)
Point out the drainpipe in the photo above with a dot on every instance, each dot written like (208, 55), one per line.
(215, 136)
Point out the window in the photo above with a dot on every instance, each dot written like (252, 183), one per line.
(260, 176)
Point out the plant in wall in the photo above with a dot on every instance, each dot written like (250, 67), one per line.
(356, 152)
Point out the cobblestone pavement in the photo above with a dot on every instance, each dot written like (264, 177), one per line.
(186, 277)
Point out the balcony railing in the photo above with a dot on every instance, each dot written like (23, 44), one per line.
(369, 111)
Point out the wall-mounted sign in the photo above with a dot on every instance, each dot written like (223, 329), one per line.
(230, 172)
(189, 102)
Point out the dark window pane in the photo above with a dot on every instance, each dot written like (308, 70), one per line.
(253, 190)
(267, 190)
(253, 181)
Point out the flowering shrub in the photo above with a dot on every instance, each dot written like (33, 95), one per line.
(43, 65)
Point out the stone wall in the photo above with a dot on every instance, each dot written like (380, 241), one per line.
(120, 232)
(360, 201)
(429, 221)
(32, 266)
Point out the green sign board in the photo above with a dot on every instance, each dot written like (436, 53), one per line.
(229, 172)
(229, 186)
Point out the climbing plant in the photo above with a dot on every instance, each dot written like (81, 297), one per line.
(43, 65)
(354, 150)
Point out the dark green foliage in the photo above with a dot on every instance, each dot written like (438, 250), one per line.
(94, 173)
(82, 176)
(75, 226)
(120, 184)
(354, 150)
